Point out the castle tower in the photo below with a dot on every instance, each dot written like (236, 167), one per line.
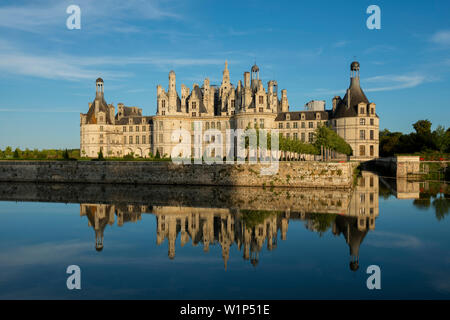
(172, 92)
(99, 88)
(255, 76)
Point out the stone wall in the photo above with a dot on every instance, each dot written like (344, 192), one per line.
(178, 197)
(399, 166)
(308, 174)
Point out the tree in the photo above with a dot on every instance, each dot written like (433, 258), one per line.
(17, 153)
(8, 152)
(441, 138)
(325, 136)
(100, 155)
(66, 155)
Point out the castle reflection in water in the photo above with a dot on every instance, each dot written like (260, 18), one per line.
(256, 219)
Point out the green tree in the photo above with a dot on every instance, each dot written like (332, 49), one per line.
(441, 138)
(17, 153)
(325, 136)
(100, 155)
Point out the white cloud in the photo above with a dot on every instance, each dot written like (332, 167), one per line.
(394, 240)
(340, 44)
(73, 68)
(384, 83)
(395, 82)
(105, 15)
(441, 37)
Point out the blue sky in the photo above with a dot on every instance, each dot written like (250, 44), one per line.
(47, 72)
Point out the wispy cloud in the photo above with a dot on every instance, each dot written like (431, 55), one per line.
(396, 82)
(383, 239)
(384, 83)
(441, 37)
(340, 44)
(381, 48)
(39, 17)
(68, 67)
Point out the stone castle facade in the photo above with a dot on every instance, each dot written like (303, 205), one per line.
(228, 106)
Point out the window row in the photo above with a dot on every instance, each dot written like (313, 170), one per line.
(130, 128)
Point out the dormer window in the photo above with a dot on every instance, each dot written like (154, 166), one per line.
(194, 105)
(317, 116)
(303, 116)
(361, 110)
(288, 117)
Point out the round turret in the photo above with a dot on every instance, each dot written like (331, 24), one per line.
(354, 66)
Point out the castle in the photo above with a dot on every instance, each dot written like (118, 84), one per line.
(248, 104)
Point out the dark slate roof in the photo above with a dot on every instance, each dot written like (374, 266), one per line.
(199, 94)
(309, 115)
(356, 97)
(103, 106)
(135, 120)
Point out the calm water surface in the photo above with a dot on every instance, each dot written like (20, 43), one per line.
(200, 243)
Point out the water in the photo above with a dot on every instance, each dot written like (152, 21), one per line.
(136, 242)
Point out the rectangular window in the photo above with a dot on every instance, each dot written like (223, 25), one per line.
(362, 150)
(261, 99)
(280, 125)
(362, 121)
(371, 134)
(295, 125)
(311, 125)
(303, 125)
(261, 123)
(143, 139)
(131, 129)
(124, 129)
(232, 104)
(124, 140)
(137, 139)
(371, 151)
(213, 125)
(130, 141)
(143, 129)
(296, 136)
(288, 135)
(161, 138)
(194, 114)
(372, 122)
(288, 125)
(137, 128)
(310, 137)
(361, 110)
(194, 105)
(303, 137)
(372, 111)
(218, 125)
(362, 134)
